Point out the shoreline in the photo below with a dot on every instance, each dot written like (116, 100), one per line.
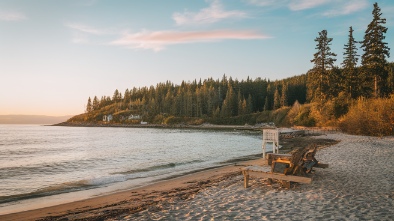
(137, 199)
(134, 199)
(175, 126)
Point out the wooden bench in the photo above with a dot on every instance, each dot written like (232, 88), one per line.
(265, 172)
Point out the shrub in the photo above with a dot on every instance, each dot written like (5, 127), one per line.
(374, 117)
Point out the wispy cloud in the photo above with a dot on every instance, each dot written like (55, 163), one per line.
(293, 5)
(335, 7)
(267, 2)
(85, 29)
(83, 34)
(12, 16)
(347, 8)
(158, 40)
(297, 5)
(214, 13)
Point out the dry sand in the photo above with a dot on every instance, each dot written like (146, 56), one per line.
(358, 185)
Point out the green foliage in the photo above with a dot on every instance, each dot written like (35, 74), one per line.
(210, 99)
(89, 106)
(323, 58)
(349, 64)
(279, 116)
(299, 115)
(276, 99)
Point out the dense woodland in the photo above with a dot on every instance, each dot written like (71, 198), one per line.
(358, 96)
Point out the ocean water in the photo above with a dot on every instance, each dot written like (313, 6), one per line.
(40, 162)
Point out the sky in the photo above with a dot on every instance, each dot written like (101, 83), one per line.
(55, 54)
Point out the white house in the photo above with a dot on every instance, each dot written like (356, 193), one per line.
(107, 118)
(134, 117)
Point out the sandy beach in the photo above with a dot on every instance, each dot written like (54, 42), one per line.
(358, 185)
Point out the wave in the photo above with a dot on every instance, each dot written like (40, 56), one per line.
(157, 167)
(44, 168)
(77, 185)
(64, 188)
(48, 191)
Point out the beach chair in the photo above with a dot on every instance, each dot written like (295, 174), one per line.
(286, 168)
(270, 136)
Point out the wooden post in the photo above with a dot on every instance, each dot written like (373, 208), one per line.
(246, 178)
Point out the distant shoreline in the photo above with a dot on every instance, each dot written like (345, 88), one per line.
(32, 119)
(202, 126)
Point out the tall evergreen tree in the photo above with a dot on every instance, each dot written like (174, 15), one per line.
(283, 98)
(349, 65)
(249, 105)
(241, 108)
(96, 103)
(266, 104)
(117, 96)
(319, 78)
(375, 53)
(276, 99)
(89, 106)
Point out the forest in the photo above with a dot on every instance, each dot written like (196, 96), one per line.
(357, 97)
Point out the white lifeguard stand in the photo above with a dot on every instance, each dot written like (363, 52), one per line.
(271, 136)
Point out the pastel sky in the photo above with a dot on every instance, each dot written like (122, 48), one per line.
(54, 54)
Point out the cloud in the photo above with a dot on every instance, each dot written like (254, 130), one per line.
(348, 8)
(336, 7)
(85, 29)
(158, 40)
(212, 14)
(12, 16)
(267, 2)
(83, 34)
(298, 5)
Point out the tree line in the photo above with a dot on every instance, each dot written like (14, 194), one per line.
(201, 99)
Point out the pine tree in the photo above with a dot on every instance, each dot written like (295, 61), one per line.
(283, 98)
(117, 96)
(349, 65)
(89, 107)
(276, 99)
(96, 103)
(319, 78)
(249, 105)
(241, 110)
(375, 53)
(266, 104)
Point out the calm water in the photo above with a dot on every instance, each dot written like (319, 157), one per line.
(40, 161)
